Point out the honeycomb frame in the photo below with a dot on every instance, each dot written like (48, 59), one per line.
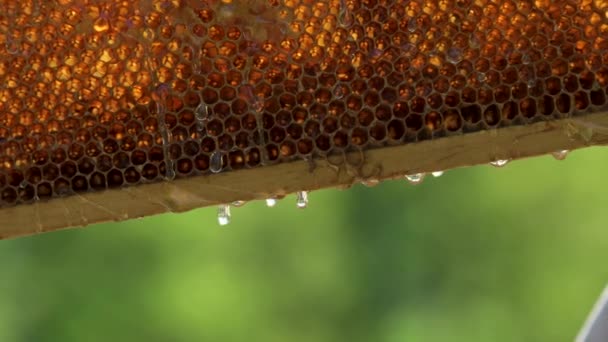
(130, 108)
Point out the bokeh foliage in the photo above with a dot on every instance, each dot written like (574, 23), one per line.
(480, 254)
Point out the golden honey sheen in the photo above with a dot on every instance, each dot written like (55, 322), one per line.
(105, 94)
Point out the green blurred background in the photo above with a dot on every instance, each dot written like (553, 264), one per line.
(480, 254)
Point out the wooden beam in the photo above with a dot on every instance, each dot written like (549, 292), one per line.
(391, 162)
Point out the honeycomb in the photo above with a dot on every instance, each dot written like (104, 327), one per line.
(100, 94)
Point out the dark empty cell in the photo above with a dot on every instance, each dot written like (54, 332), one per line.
(546, 105)
(418, 105)
(132, 175)
(366, 71)
(482, 65)
(79, 183)
(287, 101)
(149, 171)
(248, 122)
(559, 67)
(413, 122)
(305, 146)
(347, 121)
(50, 172)
(502, 94)
(378, 132)
(581, 100)
(236, 159)
(215, 127)
(452, 120)
(239, 107)
(294, 131)
(432, 120)
(587, 79)
(528, 107)
(44, 190)
(138, 157)
(383, 113)
(452, 99)
(170, 121)
(208, 145)
(69, 169)
(563, 103)
(485, 96)
(430, 71)
(305, 99)
(58, 156)
(510, 110)
(308, 84)
(312, 128)
(267, 123)
(469, 95)
(571, 83)
(598, 97)
(277, 134)
(499, 62)
(327, 80)
(359, 136)
(283, 118)
(288, 148)
(156, 154)
(128, 144)
(225, 142)
(492, 78)
(318, 111)
(553, 85)
(33, 175)
(40, 157)
(75, 151)
(121, 160)
(26, 193)
(330, 124)
(9, 195)
(227, 93)
(354, 103)
(62, 187)
(201, 162)
(323, 95)
(383, 68)
(115, 178)
(371, 99)
(252, 157)
(86, 166)
(519, 90)
(336, 108)
(110, 146)
(340, 139)
(104, 163)
(441, 84)
(434, 100)
(209, 95)
(396, 129)
(458, 82)
(389, 95)
(400, 110)
(273, 152)
(190, 148)
(509, 76)
(471, 114)
(491, 115)
(323, 142)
